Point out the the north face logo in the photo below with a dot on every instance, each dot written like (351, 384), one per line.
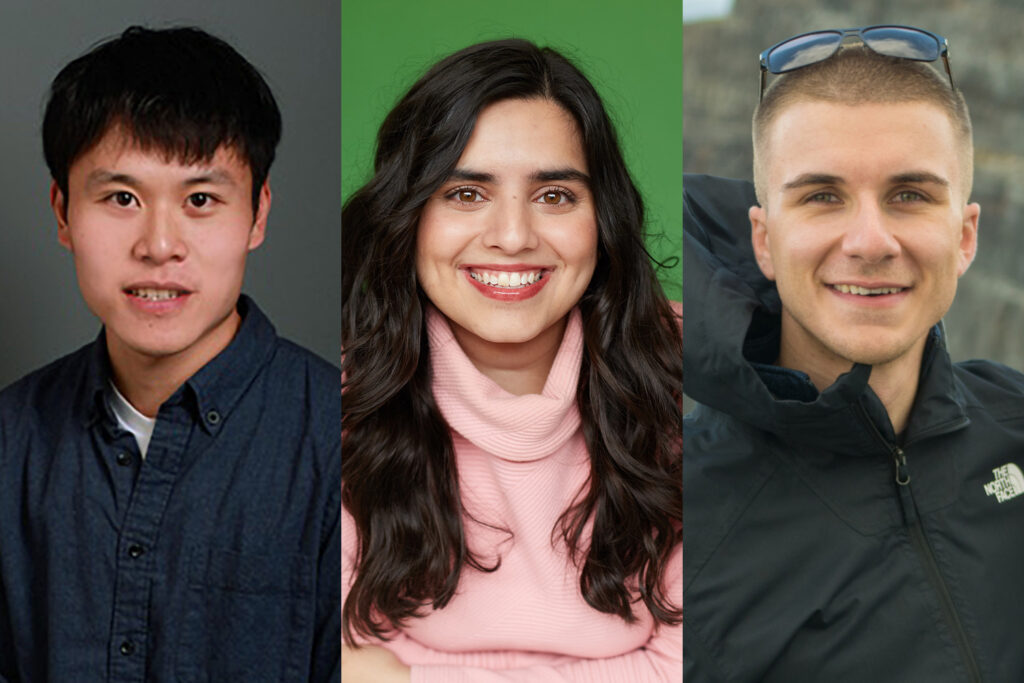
(1008, 483)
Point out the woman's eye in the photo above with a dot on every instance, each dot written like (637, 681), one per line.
(199, 200)
(467, 196)
(556, 197)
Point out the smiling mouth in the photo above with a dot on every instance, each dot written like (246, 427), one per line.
(865, 291)
(151, 294)
(507, 280)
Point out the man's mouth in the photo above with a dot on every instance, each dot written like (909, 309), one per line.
(152, 294)
(867, 291)
(507, 279)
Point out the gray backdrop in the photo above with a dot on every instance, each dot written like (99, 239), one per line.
(720, 77)
(294, 275)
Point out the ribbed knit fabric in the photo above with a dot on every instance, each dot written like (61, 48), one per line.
(522, 461)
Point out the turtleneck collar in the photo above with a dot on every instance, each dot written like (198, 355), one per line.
(517, 428)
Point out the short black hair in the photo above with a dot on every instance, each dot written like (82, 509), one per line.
(180, 90)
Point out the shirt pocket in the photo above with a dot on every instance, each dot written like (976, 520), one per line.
(248, 617)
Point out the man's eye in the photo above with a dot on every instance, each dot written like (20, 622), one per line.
(908, 196)
(823, 198)
(123, 199)
(200, 200)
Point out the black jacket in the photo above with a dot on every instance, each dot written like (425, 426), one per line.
(805, 558)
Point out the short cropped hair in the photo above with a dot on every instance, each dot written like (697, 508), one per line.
(857, 75)
(180, 91)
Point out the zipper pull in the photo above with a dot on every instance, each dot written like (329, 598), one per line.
(900, 460)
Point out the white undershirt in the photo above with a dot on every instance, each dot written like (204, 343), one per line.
(131, 419)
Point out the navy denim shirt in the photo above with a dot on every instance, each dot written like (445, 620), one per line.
(215, 559)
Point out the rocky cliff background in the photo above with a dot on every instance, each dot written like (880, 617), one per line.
(986, 39)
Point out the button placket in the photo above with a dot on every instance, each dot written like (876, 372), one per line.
(152, 487)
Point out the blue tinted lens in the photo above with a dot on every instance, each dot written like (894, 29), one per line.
(803, 50)
(902, 42)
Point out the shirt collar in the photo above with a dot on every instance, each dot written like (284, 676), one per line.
(212, 392)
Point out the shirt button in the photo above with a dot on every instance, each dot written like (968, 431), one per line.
(212, 417)
(124, 459)
(127, 648)
(135, 551)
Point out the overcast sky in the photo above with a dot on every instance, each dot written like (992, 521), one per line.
(695, 10)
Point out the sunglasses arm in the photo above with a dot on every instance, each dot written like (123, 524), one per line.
(945, 63)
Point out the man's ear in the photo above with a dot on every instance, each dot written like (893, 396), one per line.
(761, 241)
(59, 204)
(968, 237)
(259, 224)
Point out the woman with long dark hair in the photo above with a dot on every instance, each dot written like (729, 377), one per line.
(511, 478)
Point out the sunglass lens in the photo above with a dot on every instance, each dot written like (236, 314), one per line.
(902, 42)
(803, 50)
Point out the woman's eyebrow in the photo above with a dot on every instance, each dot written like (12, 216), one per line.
(471, 176)
(561, 174)
(543, 176)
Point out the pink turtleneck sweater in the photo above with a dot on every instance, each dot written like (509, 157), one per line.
(521, 461)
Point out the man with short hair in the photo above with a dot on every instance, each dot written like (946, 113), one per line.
(852, 496)
(171, 502)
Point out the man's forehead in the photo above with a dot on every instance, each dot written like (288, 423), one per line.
(881, 140)
(118, 142)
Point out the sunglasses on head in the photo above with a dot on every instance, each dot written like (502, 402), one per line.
(905, 42)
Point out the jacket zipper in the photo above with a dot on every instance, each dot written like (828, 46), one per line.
(924, 550)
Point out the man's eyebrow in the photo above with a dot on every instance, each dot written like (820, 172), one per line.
(212, 177)
(102, 176)
(919, 177)
(805, 179)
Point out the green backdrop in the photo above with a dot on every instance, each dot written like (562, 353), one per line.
(630, 51)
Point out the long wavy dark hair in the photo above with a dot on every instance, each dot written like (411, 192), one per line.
(399, 479)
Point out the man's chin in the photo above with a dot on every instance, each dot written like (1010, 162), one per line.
(875, 350)
(151, 349)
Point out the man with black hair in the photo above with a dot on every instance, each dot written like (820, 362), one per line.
(853, 498)
(170, 506)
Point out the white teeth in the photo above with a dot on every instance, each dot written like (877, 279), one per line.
(156, 294)
(864, 291)
(506, 279)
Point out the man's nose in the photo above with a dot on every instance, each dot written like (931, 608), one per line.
(161, 238)
(510, 226)
(869, 235)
